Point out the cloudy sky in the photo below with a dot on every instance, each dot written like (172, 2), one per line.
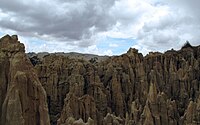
(104, 27)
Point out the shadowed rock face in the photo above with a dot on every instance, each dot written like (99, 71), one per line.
(22, 97)
(158, 89)
(128, 89)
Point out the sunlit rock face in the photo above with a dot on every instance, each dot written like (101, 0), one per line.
(130, 89)
(22, 97)
(123, 90)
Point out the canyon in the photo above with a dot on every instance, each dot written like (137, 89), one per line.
(129, 89)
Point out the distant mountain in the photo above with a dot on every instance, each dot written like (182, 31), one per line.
(71, 55)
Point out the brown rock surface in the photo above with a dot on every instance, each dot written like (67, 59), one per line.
(22, 97)
(157, 89)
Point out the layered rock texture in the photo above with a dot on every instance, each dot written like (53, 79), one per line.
(158, 89)
(130, 89)
(22, 97)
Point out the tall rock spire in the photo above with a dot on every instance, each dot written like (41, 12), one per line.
(24, 99)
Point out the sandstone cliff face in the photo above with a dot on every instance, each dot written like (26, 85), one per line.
(158, 89)
(22, 97)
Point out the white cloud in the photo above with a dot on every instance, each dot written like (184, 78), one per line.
(95, 50)
(79, 25)
(113, 45)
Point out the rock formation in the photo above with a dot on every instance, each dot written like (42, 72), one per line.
(22, 97)
(130, 89)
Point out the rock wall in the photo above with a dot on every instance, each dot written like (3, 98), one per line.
(22, 97)
(158, 89)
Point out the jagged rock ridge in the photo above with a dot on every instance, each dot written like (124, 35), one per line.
(158, 89)
(128, 89)
(22, 97)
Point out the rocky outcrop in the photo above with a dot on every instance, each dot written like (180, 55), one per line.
(22, 97)
(78, 80)
(158, 89)
(78, 108)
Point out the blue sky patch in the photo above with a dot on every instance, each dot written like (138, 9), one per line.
(116, 45)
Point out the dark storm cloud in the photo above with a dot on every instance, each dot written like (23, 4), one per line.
(70, 20)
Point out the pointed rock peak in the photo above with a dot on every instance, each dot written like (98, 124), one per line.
(132, 51)
(148, 119)
(15, 37)
(5, 38)
(190, 103)
(163, 95)
(187, 45)
(24, 94)
(90, 121)
(190, 108)
(10, 39)
(80, 121)
(152, 96)
(190, 112)
(11, 44)
(133, 106)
